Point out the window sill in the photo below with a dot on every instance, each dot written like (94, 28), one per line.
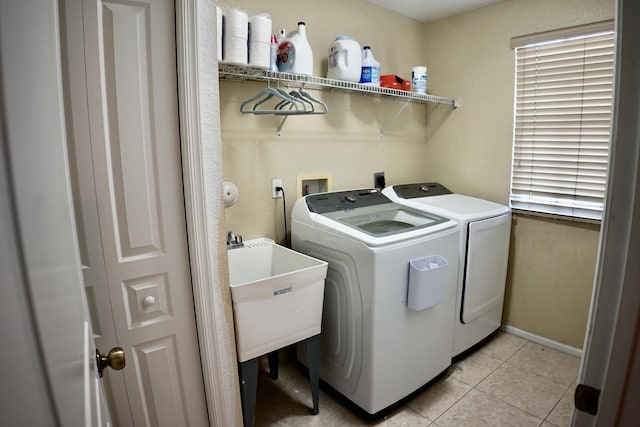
(516, 211)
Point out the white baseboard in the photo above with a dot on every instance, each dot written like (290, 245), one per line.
(543, 341)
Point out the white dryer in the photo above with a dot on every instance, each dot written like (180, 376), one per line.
(375, 349)
(484, 254)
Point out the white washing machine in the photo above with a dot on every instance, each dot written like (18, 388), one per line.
(484, 254)
(376, 345)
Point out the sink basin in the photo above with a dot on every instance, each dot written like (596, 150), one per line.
(277, 296)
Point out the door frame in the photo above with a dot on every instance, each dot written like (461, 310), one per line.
(200, 135)
(202, 175)
(611, 359)
(198, 98)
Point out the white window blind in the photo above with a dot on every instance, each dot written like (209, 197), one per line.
(562, 128)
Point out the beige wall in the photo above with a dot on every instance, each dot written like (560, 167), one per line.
(552, 262)
(345, 142)
(551, 274)
(468, 56)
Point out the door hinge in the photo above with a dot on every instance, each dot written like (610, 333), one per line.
(586, 399)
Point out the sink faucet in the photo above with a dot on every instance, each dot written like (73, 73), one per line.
(234, 241)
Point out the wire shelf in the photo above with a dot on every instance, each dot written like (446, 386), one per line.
(248, 73)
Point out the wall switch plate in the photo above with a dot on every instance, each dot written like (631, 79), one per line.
(378, 180)
(276, 182)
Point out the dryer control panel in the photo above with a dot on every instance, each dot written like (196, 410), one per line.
(413, 191)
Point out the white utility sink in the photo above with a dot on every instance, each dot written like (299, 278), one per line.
(277, 296)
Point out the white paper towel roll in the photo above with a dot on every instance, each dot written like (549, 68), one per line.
(236, 23)
(260, 54)
(235, 51)
(260, 28)
(236, 33)
(260, 41)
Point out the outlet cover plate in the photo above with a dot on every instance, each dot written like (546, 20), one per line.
(276, 182)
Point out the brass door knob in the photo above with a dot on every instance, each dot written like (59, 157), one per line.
(114, 360)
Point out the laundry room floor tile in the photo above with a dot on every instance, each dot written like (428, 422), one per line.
(479, 409)
(561, 414)
(553, 364)
(523, 389)
(435, 400)
(508, 381)
(404, 417)
(503, 346)
(474, 368)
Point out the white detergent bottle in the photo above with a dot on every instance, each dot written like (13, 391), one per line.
(370, 68)
(294, 53)
(345, 60)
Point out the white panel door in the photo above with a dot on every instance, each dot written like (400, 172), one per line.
(131, 87)
(48, 371)
(85, 204)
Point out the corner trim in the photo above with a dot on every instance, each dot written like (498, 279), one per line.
(542, 341)
(201, 149)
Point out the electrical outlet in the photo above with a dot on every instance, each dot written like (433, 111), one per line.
(378, 180)
(276, 182)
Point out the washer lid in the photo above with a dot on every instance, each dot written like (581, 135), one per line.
(456, 206)
(367, 215)
(386, 219)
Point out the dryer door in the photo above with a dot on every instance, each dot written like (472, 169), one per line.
(486, 266)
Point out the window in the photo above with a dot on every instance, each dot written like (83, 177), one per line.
(562, 121)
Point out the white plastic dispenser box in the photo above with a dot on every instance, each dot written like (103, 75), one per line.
(427, 282)
(277, 296)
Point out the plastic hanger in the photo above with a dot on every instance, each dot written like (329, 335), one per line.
(298, 98)
(309, 98)
(293, 103)
(266, 94)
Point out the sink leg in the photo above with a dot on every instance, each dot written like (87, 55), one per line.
(248, 388)
(313, 359)
(274, 363)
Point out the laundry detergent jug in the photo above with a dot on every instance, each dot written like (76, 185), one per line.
(345, 60)
(294, 53)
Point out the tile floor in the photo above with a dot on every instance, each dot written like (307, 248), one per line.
(507, 382)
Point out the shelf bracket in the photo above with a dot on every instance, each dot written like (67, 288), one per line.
(393, 119)
(279, 131)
